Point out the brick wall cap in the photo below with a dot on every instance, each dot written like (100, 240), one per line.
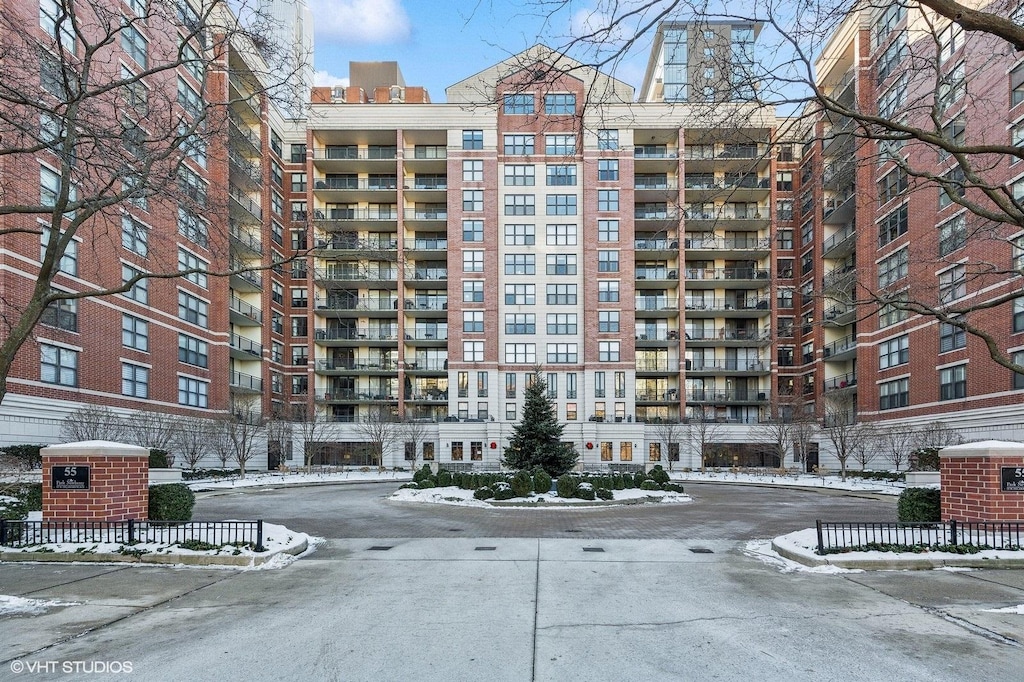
(984, 448)
(101, 448)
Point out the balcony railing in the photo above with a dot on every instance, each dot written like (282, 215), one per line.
(726, 365)
(357, 364)
(656, 303)
(427, 303)
(426, 214)
(343, 243)
(377, 183)
(426, 151)
(426, 273)
(253, 277)
(655, 244)
(848, 380)
(657, 365)
(246, 239)
(251, 170)
(345, 303)
(654, 152)
(727, 304)
(426, 244)
(351, 152)
(642, 212)
(426, 365)
(660, 335)
(656, 273)
(729, 243)
(656, 183)
(246, 203)
(356, 214)
(439, 334)
(837, 238)
(840, 346)
(840, 277)
(356, 274)
(247, 345)
(246, 381)
(726, 273)
(727, 334)
(355, 334)
(246, 309)
(718, 395)
(651, 396)
(355, 394)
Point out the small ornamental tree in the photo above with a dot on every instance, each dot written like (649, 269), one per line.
(537, 438)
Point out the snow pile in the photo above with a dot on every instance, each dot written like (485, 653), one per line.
(763, 552)
(464, 498)
(806, 542)
(13, 606)
(801, 480)
(1016, 610)
(270, 478)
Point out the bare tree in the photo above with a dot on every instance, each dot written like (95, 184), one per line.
(191, 439)
(670, 433)
(905, 118)
(380, 429)
(219, 440)
(93, 422)
(701, 430)
(118, 133)
(937, 435)
(849, 438)
(896, 443)
(150, 429)
(311, 425)
(244, 427)
(279, 433)
(413, 433)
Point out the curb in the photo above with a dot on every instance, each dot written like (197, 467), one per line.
(185, 559)
(210, 492)
(885, 564)
(806, 488)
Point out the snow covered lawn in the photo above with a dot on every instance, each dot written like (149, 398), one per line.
(271, 478)
(801, 480)
(459, 496)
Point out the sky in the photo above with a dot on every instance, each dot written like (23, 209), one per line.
(438, 43)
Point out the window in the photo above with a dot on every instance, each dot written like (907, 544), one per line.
(956, 190)
(952, 234)
(784, 181)
(607, 200)
(473, 321)
(954, 133)
(607, 139)
(463, 384)
(519, 175)
(298, 182)
(520, 264)
(561, 264)
(608, 351)
(561, 324)
(1018, 315)
(952, 87)
(68, 261)
(510, 411)
(561, 175)
(1017, 85)
(953, 382)
(189, 99)
(134, 236)
(276, 322)
(518, 103)
(194, 310)
(51, 13)
(472, 261)
(472, 230)
(472, 139)
(1018, 378)
(520, 323)
(520, 294)
(891, 185)
(951, 337)
(62, 314)
(562, 353)
(518, 204)
(192, 227)
(785, 239)
(521, 353)
(134, 43)
(891, 57)
(472, 351)
(189, 261)
(193, 392)
(608, 291)
(892, 99)
(893, 394)
(555, 104)
(139, 292)
(889, 18)
(608, 321)
(561, 204)
(134, 332)
(58, 365)
(481, 384)
(894, 352)
(192, 351)
(300, 297)
(561, 235)
(510, 386)
(893, 268)
(607, 230)
(953, 284)
(890, 314)
(520, 235)
(472, 170)
(298, 153)
(134, 380)
(559, 145)
(300, 327)
(518, 144)
(625, 451)
(473, 291)
(277, 175)
(607, 261)
(620, 385)
(561, 294)
(472, 200)
(892, 226)
(608, 170)
(552, 382)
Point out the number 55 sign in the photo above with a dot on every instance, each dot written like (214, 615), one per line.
(1013, 479)
(70, 477)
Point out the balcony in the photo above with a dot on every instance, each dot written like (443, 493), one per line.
(724, 306)
(838, 174)
(356, 334)
(840, 279)
(355, 365)
(245, 349)
(656, 338)
(244, 314)
(243, 99)
(358, 274)
(245, 383)
(722, 396)
(738, 247)
(728, 277)
(355, 395)
(841, 244)
(727, 336)
(840, 350)
(654, 396)
(839, 316)
(656, 303)
(842, 382)
(654, 151)
(248, 206)
(724, 366)
(247, 170)
(840, 207)
(653, 212)
(657, 273)
(247, 280)
(436, 244)
(427, 214)
(242, 135)
(353, 303)
(438, 334)
(327, 217)
(426, 274)
(652, 247)
(351, 243)
(427, 304)
(381, 183)
(657, 366)
(244, 240)
(425, 152)
(426, 365)
(354, 153)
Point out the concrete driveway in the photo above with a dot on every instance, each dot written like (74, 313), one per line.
(639, 594)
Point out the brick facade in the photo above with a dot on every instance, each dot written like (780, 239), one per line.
(971, 485)
(118, 482)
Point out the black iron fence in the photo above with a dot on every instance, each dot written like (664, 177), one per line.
(847, 536)
(130, 532)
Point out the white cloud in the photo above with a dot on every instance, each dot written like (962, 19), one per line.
(361, 21)
(324, 78)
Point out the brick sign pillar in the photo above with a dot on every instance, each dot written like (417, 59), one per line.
(95, 481)
(982, 481)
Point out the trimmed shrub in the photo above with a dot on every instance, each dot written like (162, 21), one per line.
(919, 504)
(604, 494)
(483, 493)
(567, 485)
(650, 485)
(628, 481)
(617, 482)
(658, 474)
(541, 481)
(503, 491)
(410, 484)
(639, 478)
(159, 459)
(673, 487)
(444, 478)
(924, 459)
(208, 473)
(428, 482)
(28, 454)
(422, 473)
(171, 502)
(585, 491)
(522, 484)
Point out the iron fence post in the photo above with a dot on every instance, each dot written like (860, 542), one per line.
(952, 531)
(821, 543)
(259, 536)
(3, 532)
(131, 531)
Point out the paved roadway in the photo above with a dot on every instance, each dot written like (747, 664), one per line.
(401, 592)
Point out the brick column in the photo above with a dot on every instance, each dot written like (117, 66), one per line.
(117, 482)
(971, 481)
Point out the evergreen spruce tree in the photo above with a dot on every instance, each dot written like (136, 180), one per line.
(536, 439)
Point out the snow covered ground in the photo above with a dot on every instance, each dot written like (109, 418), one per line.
(23, 606)
(272, 478)
(458, 496)
(800, 480)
